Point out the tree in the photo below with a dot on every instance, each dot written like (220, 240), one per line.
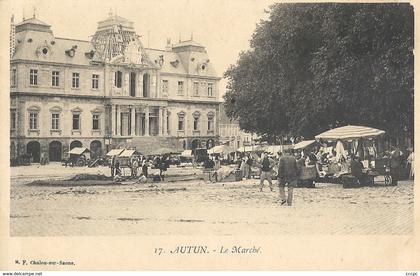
(312, 67)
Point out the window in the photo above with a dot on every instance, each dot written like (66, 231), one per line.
(75, 80)
(55, 78)
(33, 121)
(55, 121)
(95, 81)
(210, 122)
(33, 77)
(168, 127)
(181, 121)
(13, 119)
(76, 121)
(13, 80)
(196, 88)
(196, 123)
(118, 79)
(95, 121)
(180, 88)
(165, 87)
(210, 89)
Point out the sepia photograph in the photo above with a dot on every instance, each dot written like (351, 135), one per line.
(210, 118)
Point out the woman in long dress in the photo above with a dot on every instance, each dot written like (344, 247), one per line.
(410, 162)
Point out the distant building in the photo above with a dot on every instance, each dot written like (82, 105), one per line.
(230, 134)
(107, 92)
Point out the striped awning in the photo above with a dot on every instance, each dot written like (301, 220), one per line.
(350, 132)
(128, 153)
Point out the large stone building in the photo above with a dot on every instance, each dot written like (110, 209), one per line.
(107, 92)
(230, 133)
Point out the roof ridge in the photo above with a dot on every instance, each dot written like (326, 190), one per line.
(74, 39)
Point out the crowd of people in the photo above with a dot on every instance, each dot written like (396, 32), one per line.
(137, 163)
(286, 167)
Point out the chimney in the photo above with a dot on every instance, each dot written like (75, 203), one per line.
(168, 46)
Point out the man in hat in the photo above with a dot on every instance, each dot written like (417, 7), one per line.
(266, 167)
(288, 174)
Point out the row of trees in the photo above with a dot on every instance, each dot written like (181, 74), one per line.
(312, 67)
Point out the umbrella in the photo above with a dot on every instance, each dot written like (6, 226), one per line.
(222, 149)
(350, 132)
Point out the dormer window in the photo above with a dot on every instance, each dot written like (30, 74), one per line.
(45, 51)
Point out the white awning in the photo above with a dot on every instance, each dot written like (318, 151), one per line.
(114, 152)
(249, 148)
(187, 153)
(79, 151)
(222, 149)
(304, 144)
(273, 149)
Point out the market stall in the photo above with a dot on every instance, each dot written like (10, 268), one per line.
(349, 141)
(77, 157)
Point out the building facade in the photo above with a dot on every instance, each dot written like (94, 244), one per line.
(230, 133)
(107, 92)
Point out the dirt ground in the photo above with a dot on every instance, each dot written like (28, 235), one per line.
(201, 208)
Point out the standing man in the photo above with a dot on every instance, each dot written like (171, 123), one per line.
(113, 165)
(395, 162)
(266, 167)
(288, 174)
(249, 163)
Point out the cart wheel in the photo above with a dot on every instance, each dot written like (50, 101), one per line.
(80, 163)
(388, 179)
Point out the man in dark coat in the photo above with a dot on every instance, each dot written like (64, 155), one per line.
(395, 162)
(288, 174)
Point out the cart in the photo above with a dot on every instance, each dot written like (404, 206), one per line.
(77, 157)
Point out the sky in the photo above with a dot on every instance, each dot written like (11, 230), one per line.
(224, 27)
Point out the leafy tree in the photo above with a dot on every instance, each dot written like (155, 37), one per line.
(316, 66)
